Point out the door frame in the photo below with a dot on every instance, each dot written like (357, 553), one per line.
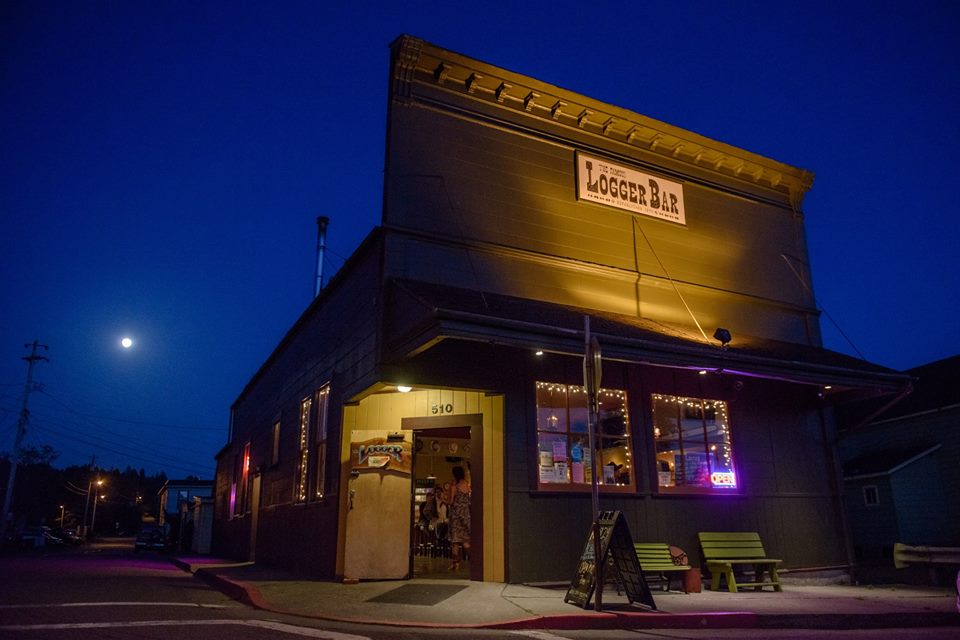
(474, 421)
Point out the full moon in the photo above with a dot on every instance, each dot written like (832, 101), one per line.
(126, 343)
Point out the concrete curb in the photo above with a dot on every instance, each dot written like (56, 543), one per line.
(250, 595)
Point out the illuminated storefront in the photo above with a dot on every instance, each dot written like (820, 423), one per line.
(454, 337)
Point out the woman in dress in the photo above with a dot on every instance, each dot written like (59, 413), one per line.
(459, 516)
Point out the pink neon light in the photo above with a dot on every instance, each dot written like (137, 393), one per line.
(723, 479)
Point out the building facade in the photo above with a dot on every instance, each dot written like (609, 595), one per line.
(454, 336)
(900, 472)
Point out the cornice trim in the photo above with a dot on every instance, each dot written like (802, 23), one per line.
(419, 62)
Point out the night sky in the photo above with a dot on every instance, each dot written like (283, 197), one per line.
(162, 165)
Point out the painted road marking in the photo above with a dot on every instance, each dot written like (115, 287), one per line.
(539, 635)
(116, 604)
(262, 624)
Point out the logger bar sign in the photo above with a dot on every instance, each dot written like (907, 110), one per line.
(628, 189)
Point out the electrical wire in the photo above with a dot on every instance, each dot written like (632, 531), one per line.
(818, 305)
(65, 431)
(132, 456)
(636, 224)
(124, 420)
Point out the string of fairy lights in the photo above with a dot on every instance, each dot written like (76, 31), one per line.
(555, 398)
(305, 407)
(701, 407)
(612, 402)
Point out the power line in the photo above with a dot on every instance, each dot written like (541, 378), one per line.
(140, 422)
(135, 457)
(149, 446)
(64, 431)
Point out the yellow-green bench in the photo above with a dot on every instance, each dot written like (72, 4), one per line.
(655, 557)
(723, 551)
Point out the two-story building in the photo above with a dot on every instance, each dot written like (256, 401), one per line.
(454, 336)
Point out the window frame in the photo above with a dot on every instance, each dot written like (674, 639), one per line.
(275, 438)
(321, 433)
(570, 434)
(302, 469)
(241, 488)
(726, 431)
(871, 488)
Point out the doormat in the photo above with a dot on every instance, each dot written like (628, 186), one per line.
(421, 594)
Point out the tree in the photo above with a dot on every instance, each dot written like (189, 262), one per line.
(42, 455)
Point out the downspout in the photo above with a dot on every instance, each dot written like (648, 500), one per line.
(838, 488)
(871, 417)
(322, 222)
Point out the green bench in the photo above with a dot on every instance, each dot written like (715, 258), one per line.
(655, 557)
(724, 551)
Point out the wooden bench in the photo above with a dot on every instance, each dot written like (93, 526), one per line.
(655, 557)
(722, 551)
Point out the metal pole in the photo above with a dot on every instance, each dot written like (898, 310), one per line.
(322, 222)
(93, 518)
(86, 507)
(21, 430)
(590, 382)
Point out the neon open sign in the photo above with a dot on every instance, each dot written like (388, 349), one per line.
(723, 479)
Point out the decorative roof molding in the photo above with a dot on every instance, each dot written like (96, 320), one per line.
(421, 62)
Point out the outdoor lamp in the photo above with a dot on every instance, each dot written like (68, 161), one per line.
(723, 335)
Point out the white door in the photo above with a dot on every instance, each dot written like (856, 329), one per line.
(377, 545)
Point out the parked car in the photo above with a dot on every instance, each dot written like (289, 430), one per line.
(151, 538)
(68, 536)
(50, 538)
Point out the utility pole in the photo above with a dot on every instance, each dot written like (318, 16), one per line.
(86, 502)
(21, 430)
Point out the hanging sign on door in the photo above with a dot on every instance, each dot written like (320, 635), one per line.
(381, 453)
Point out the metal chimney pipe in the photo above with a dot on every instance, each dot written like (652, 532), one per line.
(322, 222)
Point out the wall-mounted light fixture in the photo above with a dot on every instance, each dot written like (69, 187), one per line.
(402, 388)
(538, 352)
(723, 335)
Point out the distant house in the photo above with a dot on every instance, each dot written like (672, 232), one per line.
(178, 495)
(901, 477)
(178, 511)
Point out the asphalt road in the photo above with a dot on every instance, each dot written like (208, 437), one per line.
(105, 591)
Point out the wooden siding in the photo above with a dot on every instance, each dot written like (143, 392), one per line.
(910, 434)
(333, 341)
(477, 184)
(776, 436)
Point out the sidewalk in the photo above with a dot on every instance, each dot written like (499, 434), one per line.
(462, 603)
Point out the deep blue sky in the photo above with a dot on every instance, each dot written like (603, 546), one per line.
(162, 164)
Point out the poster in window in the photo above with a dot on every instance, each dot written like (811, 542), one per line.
(692, 469)
(559, 450)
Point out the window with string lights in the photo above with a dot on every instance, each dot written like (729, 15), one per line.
(303, 459)
(563, 448)
(693, 450)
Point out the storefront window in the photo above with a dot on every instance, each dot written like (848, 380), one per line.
(301, 487)
(320, 442)
(692, 437)
(563, 440)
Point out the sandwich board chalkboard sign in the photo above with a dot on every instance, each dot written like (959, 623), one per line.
(615, 543)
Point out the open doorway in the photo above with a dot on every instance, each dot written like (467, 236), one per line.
(440, 446)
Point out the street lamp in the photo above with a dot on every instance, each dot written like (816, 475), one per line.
(61, 516)
(93, 518)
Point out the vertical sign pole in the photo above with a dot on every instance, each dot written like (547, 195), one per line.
(591, 380)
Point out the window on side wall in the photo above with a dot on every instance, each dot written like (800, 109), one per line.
(320, 442)
(241, 488)
(303, 459)
(692, 444)
(563, 447)
(275, 452)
